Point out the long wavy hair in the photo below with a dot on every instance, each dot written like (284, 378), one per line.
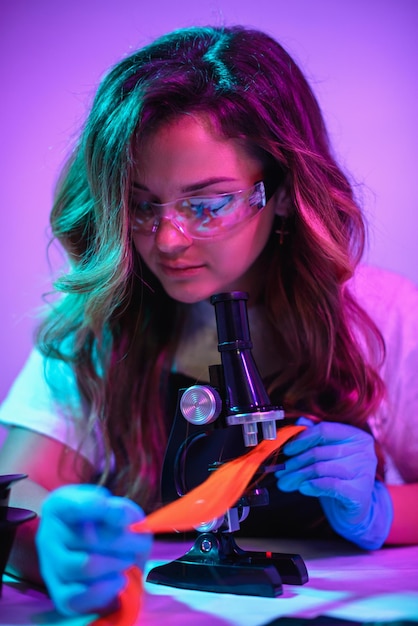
(113, 322)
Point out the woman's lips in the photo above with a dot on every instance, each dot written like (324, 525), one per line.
(171, 269)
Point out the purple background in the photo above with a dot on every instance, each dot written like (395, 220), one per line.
(360, 55)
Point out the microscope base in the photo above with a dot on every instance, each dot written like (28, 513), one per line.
(215, 563)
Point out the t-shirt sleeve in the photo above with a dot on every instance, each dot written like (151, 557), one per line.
(44, 398)
(392, 302)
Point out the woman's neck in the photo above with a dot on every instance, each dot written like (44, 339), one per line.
(198, 343)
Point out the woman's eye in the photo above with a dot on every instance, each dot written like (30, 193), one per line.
(142, 209)
(210, 206)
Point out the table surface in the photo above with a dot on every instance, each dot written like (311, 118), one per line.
(346, 586)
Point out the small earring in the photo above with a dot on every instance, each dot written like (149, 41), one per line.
(281, 231)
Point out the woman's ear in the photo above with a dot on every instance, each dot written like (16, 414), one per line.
(282, 201)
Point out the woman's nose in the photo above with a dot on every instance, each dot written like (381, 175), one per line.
(169, 237)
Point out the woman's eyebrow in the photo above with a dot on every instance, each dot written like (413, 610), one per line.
(202, 184)
(137, 185)
(207, 183)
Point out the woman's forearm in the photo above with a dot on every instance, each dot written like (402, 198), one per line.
(404, 529)
(48, 465)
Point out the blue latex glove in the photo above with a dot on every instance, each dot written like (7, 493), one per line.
(84, 546)
(337, 463)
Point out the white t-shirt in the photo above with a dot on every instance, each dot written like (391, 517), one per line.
(32, 403)
(392, 302)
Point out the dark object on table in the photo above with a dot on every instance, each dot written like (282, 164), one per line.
(10, 518)
(213, 424)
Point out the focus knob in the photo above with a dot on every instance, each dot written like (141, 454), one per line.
(200, 404)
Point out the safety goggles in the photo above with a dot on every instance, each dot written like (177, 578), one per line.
(201, 217)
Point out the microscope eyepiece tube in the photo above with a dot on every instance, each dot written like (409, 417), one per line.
(247, 401)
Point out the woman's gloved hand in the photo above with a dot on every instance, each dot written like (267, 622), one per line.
(337, 463)
(84, 546)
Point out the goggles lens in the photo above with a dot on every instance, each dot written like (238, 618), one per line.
(201, 216)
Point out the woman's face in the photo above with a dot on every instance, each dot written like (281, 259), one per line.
(186, 158)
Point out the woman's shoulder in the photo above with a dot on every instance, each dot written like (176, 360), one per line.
(390, 298)
(372, 282)
(44, 398)
(41, 386)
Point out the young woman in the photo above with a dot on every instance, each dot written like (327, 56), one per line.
(204, 167)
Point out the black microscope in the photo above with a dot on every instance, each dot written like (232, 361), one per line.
(213, 424)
